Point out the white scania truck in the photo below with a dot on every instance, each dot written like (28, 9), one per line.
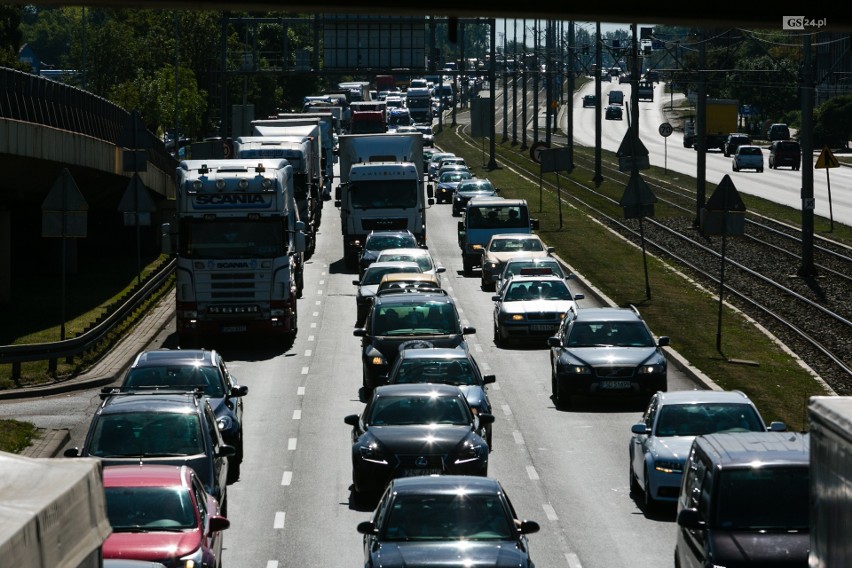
(381, 187)
(240, 249)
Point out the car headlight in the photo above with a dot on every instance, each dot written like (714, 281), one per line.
(491, 265)
(668, 466)
(224, 423)
(372, 453)
(651, 369)
(469, 452)
(517, 317)
(575, 369)
(193, 560)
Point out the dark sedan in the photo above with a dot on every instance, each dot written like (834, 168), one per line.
(415, 430)
(447, 366)
(446, 521)
(468, 189)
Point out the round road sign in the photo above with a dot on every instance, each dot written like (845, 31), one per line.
(666, 129)
(535, 151)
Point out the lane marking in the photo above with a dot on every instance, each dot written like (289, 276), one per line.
(519, 438)
(279, 520)
(532, 473)
(300, 391)
(308, 352)
(305, 370)
(291, 444)
(297, 414)
(506, 410)
(550, 512)
(287, 478)
(310, 338)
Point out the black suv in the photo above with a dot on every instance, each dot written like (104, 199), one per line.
(191, 370)
(162, 427)
(605, 351)
(402, 316)
(745, 501)
(377, 241)
(734, 141)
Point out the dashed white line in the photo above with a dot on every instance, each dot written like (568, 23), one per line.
(271, 564)
(313, 324)
(287, 478)
(310, 338)
(532, 473)
(308, 352)
(573, 560)
(519, 438)
(315, 314)
(319, 302)
(319, 292)
(321, 282)
(297, 414)
(305, 370)
(300, 391)
(279, 520)
(550, 512)
(291, 444)
(506, 410)
(477, 347)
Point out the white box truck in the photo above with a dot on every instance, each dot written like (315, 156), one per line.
(381, 187)
(830, 427)
(240, 249)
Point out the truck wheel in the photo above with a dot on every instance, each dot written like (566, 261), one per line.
(467, 266)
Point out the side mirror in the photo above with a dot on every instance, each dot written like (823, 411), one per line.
(226, 451)
(71, 453)
(239, 391)
(689, 519)
(777, 426)
(352, 419)
(489, 379)
(663, 341)
(534, 224)
(359, 332)
(217, 523)
(639, 428)
(468, 330)
(367, 527)
(495, 298)
(554, 342)
(529, 527)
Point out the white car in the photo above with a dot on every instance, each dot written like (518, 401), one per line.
(421, 256)
(531, 308)
(748, 157)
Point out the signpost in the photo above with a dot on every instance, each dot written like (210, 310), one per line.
(827, 161)
(556, 160)
(666, 131)
(535, 153)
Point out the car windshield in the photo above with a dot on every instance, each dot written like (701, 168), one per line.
(610, 334)
(418, 410)
(373, 275)
(706, 418)
(149, 508)
(184, 377)
(425, 517)
(436, 318)
(514, 268)
(392, 194)
(496, 216)
(450, 177)
(476, 187)
(382, 242)
(537, 290)
(146, 434)
(448, 371)
(750, 499)
(516, 245)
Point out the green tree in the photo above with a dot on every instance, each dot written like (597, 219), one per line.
(833, 122)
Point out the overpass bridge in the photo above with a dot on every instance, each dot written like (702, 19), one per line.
(45, 127)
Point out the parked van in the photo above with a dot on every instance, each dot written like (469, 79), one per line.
(744, 500)
(785, 153)
(488, 216)
(778, 131)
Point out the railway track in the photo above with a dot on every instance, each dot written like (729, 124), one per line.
(812, 316)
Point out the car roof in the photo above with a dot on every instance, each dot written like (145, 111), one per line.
(147, 475)
(516, 236)
(161, 401)
(159, 357)
(495, 201)
(390, 233)
(392, 263)
(701, 396)
(532, 260)
(537, 278)
(413, 296)
(406, 250)
(410, 277)
(446, 484)
(754, 449)
(433, 353)
(417, 389)
(607, 314)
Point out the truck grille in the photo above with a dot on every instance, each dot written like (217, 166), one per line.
(609, 372)
(385, 224)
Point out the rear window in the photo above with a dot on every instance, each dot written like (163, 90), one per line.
(787, 147)
(750, 151)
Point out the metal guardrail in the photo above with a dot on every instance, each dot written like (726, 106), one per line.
(52, 352)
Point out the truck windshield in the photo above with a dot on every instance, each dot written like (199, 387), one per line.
(384, 195)
(233, 239)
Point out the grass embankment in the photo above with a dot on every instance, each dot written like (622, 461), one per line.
(677, 306)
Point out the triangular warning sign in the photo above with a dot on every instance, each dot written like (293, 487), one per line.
(826, 159)
(725, 197)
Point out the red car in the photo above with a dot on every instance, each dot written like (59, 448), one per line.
(162, 513)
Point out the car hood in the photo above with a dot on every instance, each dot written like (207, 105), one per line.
(420, 439)
(151, 545)
(469, 194)
(504, 256)
(596, 356)
(474, 394)
(536, 306)
(764, 548)
(456, 553)
(448, 185)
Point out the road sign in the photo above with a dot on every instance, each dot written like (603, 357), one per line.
(666, 130)
(535, 150)
(826, 159)
(632, 153)
(64, 209)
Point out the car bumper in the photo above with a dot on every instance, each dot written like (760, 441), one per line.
(372, 477)
(529, 330)
(595, 385)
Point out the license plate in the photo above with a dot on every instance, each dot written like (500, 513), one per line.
(614, 385)
(420, 472)
(543, 327)
(233, 329)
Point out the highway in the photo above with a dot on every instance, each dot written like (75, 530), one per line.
(567, 470)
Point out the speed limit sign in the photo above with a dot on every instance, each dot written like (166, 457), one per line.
(666, 129)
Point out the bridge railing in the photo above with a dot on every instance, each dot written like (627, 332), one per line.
(36, 99)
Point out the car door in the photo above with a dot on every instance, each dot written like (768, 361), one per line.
(217, 457)
(640, 441)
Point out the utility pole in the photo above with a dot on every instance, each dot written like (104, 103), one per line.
(523, 91)
(807, 89)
